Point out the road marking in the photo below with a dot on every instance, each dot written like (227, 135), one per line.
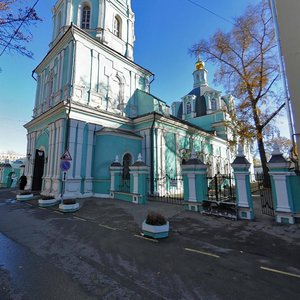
(280, 272)
(145, 238)
(78, 218)
(107, 227)
(202, 252)
(58, 212)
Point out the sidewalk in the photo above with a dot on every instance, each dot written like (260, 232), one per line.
(121, 214)
(205, 257)
(256, 236)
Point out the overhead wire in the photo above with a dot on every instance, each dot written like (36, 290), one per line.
(210, 11)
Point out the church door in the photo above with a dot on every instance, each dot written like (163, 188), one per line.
(38, 170)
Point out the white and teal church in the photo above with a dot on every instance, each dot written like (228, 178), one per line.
(94, 101)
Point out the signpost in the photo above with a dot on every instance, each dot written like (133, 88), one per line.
(65, 164)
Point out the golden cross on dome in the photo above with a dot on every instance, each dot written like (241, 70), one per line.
(200, 63)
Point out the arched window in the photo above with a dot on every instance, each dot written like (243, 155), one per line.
(188, 108)
(86, 17)
(213, 104)
(117, 26)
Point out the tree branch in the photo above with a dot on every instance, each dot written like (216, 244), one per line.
(273, 115)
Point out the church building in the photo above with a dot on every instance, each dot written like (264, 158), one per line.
(94, 101)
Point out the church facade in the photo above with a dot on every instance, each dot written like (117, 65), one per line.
(94, 101)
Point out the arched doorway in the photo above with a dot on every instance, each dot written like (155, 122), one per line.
(38, 170)
(127, 162)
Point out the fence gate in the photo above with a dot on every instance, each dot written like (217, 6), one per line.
(266, 198)
(167, 190)
(221, 199)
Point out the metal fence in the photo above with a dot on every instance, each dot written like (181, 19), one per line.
(221, 188)
(221, 200)
(167, 190)
(266, 198)
(124, 186)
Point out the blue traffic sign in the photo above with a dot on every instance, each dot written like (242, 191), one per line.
(65, 165)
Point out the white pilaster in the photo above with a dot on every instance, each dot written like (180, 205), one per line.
(47, 179)
(59, 142)
(281, 192)
(148, 148)
(88, 187)
(72, 138)
(135, 183)
(241, 187)
(79, 149)
(69, 13)
(159, 154)
(192, 190)
(163, 154)
(112, 181)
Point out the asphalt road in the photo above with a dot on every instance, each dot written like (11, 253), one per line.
(97, 253)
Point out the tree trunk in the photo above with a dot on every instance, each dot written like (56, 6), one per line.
(260, 144)
(263, 158)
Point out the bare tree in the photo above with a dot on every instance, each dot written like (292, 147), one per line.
(15, 20)
(247, 62)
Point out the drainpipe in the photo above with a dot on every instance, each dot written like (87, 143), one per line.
(32, 75)
(73, 71)
(282, 67)
(153, 78)
(152, 155)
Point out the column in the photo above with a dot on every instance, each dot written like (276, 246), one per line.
(69, 11)
(115, 176)
(88, 187)
(100, 24)
(194, 173)
(241, 171)
(72, 139)
(73, 182)
(139, 181)
(47, 186)
(59, 143)
(282, 189)
(79, 144)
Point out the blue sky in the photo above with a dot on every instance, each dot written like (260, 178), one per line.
(164, 29)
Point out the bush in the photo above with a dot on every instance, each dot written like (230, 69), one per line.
(47, 197)
(23, 193)
(154, 218)
(70, 201)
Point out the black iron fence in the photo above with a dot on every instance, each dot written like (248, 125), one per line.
(167, 190)
(221, 188)
(221, 200)
(266, 198)
(124, 186)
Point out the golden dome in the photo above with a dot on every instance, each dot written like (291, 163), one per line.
(200, 65)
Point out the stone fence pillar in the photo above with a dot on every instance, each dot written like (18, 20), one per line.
(115, 176)
(241, 172)
(194, 173)
(281, 189)
(139, 181)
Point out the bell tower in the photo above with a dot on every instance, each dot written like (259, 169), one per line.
(200, 74)
(109, 21)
